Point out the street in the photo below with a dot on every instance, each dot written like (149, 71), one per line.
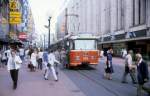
(75, 82)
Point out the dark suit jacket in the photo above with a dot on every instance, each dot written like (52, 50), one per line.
(142, 71)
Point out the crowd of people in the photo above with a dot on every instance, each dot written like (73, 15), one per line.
(34, 58)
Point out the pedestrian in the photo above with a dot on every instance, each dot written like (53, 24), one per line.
(27, 56)
(51, 64)
(109, 67)
(63, 54)
(8, 51)
(45, 61)
(40, 59)
(34, 60)
(13, 65)
(102, 54)
(4, 58)
(57, 55)
(0, 58)
(142, 73)
(129, 68)
(124, 53)
(21, 52)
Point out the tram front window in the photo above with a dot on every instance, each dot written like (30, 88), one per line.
(85, 44)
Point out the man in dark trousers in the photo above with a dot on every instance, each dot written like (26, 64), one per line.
(142, 73)
(129, 69)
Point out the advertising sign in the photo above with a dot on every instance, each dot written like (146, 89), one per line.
(22, 35)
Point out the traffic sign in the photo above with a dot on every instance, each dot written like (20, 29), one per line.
(15, 14)
(14, 20)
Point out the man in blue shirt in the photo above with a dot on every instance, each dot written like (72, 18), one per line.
(45, 60)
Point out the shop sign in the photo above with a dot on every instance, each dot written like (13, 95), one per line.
(15, 14)
(13, 5)
(22, 35)
(14, 20)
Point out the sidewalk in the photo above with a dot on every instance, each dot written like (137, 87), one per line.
(33, 84)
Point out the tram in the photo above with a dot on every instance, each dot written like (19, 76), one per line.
(82, 49)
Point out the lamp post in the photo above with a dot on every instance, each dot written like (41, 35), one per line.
(44, 41)
(49, 21)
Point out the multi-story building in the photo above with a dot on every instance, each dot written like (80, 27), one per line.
(27, 26)
(4, 25)
(118, 23)
(9, 31)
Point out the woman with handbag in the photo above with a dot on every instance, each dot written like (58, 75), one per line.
(109, 67)
(13, 65)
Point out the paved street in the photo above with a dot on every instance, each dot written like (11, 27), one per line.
(83, 82)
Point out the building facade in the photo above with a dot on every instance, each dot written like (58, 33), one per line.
(118, 23)
(4, 25)
(10, 32)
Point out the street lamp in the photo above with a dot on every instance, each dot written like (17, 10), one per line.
(49, 21)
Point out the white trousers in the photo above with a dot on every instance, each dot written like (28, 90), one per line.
(53, 72)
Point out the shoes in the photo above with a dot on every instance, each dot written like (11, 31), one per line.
(124, 82)
(56, 80)
(45, 78)
(14, 86)
(134, 82)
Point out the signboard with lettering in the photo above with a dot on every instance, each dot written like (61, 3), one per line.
(14, 14)
(13, 5)
(22, 35)
(14, 20)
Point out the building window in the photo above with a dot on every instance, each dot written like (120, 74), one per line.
(120, 14)
(139, 12)
(142, 12)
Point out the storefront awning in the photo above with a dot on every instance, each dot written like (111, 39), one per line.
(125, 40)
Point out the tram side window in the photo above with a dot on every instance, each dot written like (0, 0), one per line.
(71, 45)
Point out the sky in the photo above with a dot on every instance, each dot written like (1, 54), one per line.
(42, 9)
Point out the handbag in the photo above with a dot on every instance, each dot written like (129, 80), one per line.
(48, 65)
(30, 65)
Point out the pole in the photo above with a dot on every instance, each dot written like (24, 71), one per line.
(44, 41)
(66, 20)
(49, 32)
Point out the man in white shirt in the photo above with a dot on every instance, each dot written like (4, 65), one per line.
(129, 68)
(52, 60)
(124, 53)
(40, 59)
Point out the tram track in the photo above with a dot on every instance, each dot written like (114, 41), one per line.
(97, 82)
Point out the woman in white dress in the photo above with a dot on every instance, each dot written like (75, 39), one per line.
(34, 60)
